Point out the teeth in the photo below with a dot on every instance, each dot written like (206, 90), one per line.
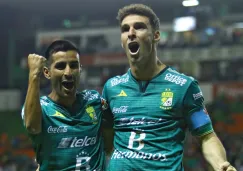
(133, 43)
(134, 53)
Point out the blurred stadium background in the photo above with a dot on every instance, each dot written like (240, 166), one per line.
(204, 41)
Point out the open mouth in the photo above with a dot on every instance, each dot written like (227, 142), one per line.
(68, 84)
(133, 47)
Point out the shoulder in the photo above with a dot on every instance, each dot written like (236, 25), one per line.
(89, 96)
(117, 80)
(177, 78)
(44, 101)
(92, 100)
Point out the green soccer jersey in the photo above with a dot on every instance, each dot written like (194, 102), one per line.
(70, 139)
(151, 118)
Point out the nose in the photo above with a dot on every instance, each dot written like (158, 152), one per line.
(68, 72)
(132, 33)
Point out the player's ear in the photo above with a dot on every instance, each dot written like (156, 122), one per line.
(156, 36)
(46, 72)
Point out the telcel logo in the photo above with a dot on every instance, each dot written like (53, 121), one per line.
(74, 142)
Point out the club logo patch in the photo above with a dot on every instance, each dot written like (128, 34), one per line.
(90, 110)
(166, 99)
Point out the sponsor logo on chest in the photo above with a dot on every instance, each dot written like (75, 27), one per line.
(138, 121)
(75, 142)
(57, 130)
(121, 109)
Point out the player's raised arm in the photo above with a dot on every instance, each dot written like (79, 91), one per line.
(32, 107)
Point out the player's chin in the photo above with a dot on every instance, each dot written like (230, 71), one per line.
(135, 59)
(68, 92)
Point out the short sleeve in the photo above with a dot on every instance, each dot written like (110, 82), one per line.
(195, 113)
(35, 137)
(22, 111)
(108, 121)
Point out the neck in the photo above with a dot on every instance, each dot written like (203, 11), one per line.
(64, 101)
(146, 71)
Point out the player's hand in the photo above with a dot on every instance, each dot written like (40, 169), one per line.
(36, 64)
(226, 167)
(38, 169)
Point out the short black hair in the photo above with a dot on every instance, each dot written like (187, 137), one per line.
(139, 9)
(60, 45)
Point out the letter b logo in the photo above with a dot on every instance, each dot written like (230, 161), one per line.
(139, 140)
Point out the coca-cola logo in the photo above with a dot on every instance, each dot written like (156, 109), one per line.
(121, 109)
(56, 130)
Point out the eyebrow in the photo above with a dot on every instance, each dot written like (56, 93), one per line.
(124, 25)
(127, 25)
(71, 62)
(140, 23)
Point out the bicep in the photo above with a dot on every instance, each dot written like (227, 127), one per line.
(195, 113)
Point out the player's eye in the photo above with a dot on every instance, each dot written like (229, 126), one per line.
(60, 65)
(139, 26)
(125, 29)
(74, 65)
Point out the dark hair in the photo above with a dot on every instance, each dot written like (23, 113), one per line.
(60, 45)
(139, 9)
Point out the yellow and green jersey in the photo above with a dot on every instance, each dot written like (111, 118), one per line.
(70, 139)
(150, 119)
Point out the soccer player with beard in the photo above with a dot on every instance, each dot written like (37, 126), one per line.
(64, 126)
(152, 105)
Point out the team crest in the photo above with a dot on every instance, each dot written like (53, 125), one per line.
(166, 99)
(90, 110)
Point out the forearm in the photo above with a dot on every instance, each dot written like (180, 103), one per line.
(213, 151)
(32, 108)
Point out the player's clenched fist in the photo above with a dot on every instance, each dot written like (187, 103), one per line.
(36, 63)
(227, 167)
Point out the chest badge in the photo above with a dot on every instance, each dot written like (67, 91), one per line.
(166, 99)
(91, 112)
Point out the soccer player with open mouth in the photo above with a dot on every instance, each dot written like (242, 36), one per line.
(64, 126)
